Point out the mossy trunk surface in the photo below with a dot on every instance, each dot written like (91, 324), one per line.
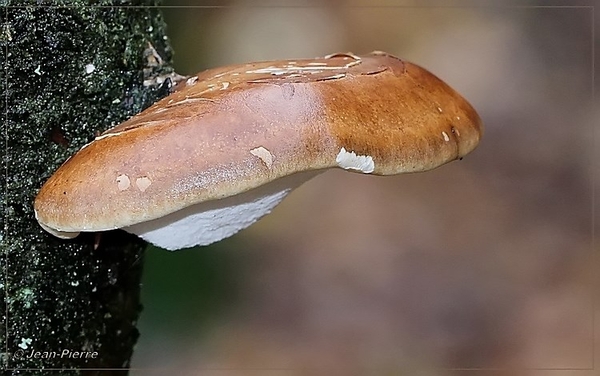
(69, 71)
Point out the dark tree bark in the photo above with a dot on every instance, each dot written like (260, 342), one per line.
(69, 71)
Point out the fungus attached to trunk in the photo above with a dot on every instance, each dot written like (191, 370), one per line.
(230, 143)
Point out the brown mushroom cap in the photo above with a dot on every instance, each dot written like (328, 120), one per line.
(233, 129)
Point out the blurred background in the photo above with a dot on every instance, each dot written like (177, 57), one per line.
(484, 263)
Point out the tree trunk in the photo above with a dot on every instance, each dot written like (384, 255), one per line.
(68, 74)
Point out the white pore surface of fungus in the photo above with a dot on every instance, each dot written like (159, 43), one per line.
(211, 221)
(351, 161)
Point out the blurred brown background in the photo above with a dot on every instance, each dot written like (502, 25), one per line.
(484, 263)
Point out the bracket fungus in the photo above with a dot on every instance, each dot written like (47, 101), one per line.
(229, 144)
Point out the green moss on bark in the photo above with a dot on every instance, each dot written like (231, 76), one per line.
(68, 73)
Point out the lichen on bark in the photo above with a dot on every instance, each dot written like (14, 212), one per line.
(69, 71)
